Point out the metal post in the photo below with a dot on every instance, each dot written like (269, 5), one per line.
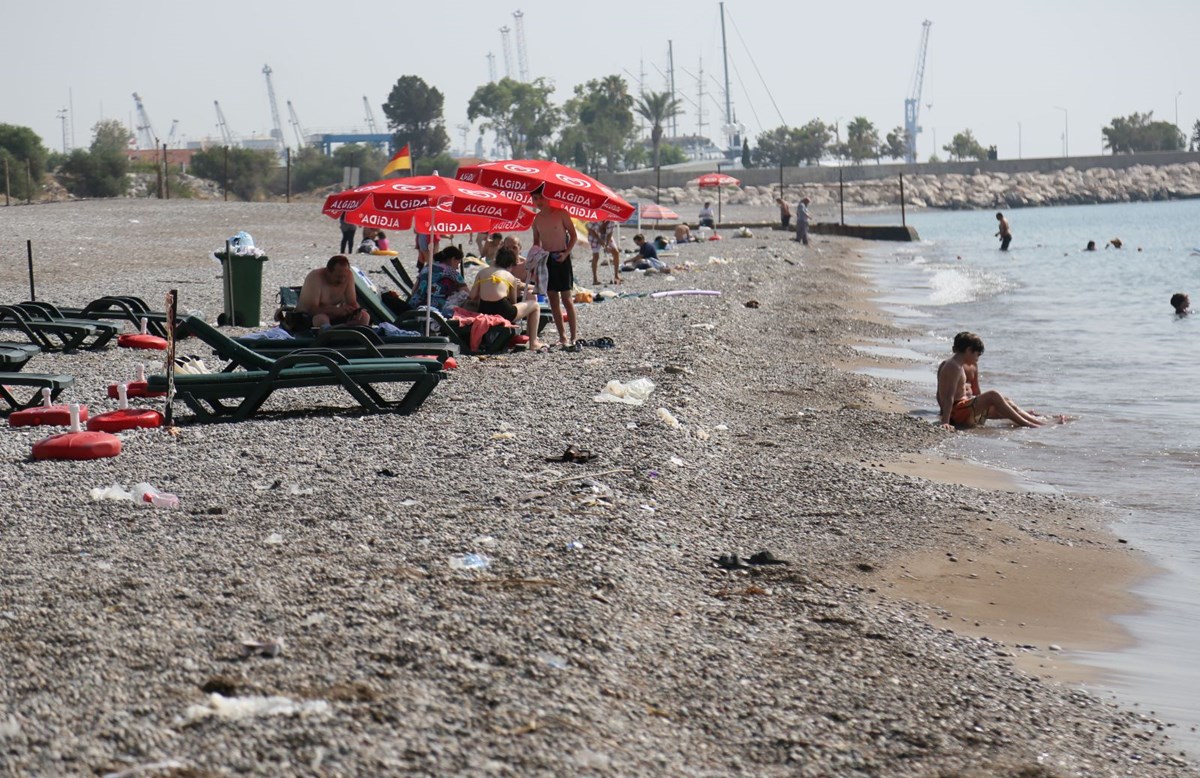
(172, 307)
(289, 174)
(903, 219)
(166, 173)
(226, 186)
(842, 196)
(158, 168)
(29, 253)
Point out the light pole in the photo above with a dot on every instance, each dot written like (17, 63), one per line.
(1066, 131)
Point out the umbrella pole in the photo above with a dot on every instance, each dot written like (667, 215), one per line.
(429, 283)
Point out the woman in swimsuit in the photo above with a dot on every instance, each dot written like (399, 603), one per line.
(496, 290)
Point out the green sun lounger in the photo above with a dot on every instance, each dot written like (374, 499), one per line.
(9, 401)
(237, 394)
(357, 343)
(14, 356)
(119, 308)
(55, 334)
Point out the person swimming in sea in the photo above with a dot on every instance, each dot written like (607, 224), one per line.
(1091, 246)
(1181, 303)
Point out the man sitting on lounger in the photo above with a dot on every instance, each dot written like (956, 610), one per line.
(961, 402)
(328, 298)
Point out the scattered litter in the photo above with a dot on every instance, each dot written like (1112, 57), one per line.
(114, 492)
(647, 508)
(705, 326)
(676, 370)
(701, 433)
(751, 303)
(408, 503)
(268, 648)
(238, 708)
(314, 619)
(470, 562)
(633, 393)
(667, 418)
(146, 769)
(683, 292)
(744, 232)
(677, 462)
(485, 540)
(553, 660)
(717, 261)
(274, 539)
(144, 492)
(720, 428)
(575, 545)
(574, 454)
(631, 425)
(503, 435)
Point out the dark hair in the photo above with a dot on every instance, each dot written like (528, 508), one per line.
(999, 215)
(1178, 300)
(639, 237)
(497, 236)
(337, 259)
(968, 340)
(505, 258)
(447, 254)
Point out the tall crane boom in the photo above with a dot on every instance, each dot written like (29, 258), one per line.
(146, 137)
(226, 134)
(912, 105)
(506, 47)
(372, 127)
(277, 131)
(522, 57)
(297, 127)
(491, 60)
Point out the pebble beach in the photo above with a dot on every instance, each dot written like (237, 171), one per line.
(350, 594)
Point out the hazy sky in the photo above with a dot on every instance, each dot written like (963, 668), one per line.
(991, 67)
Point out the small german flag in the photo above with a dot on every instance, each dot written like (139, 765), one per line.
(402, 161)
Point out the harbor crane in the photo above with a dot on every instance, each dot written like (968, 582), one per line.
(227, 136)
(912, 105)
(491, 60)
(296, 126)
(277, 130)
(146, 137)
(372, 127)
(171, 134)
(506, 47)
(522, 57)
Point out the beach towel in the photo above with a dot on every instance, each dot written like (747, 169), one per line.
(536, 268)
(479, 323)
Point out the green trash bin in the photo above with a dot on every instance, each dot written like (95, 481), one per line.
(241, 280)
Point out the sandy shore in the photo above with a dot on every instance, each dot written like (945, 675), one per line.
(600, 638)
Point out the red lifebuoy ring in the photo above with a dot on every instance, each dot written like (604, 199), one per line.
(142, 341)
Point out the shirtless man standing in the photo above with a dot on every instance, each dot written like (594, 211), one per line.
(554, 231)
(1005, 233)
(328, 297)
(961, 403)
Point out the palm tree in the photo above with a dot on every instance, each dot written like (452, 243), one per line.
(657, 108)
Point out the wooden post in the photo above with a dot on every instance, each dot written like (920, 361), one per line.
(903, 220)
(166, 173)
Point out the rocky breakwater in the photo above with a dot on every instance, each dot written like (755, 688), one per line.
(957, 191)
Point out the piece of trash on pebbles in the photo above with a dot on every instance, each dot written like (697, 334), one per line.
(114, 492)
(469, 562)
(633, 393)
(667, 418)
(677, 462)
(575, 545)
(238, 708)
(268, 648)
(503, 435)
(408, 503)
(274, 539)
(553, 660)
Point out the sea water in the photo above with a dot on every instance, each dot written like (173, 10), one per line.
(1089, 334)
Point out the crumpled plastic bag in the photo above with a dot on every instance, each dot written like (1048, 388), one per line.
(236, 708)
(635, 392)
(114, 492)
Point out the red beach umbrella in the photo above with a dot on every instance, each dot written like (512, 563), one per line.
(579, 194)
(715, 179)
(430, 205)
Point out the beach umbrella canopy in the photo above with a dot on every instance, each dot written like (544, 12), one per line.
(430, 205)
(715, 179)
(579, 194)
(656, 212)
